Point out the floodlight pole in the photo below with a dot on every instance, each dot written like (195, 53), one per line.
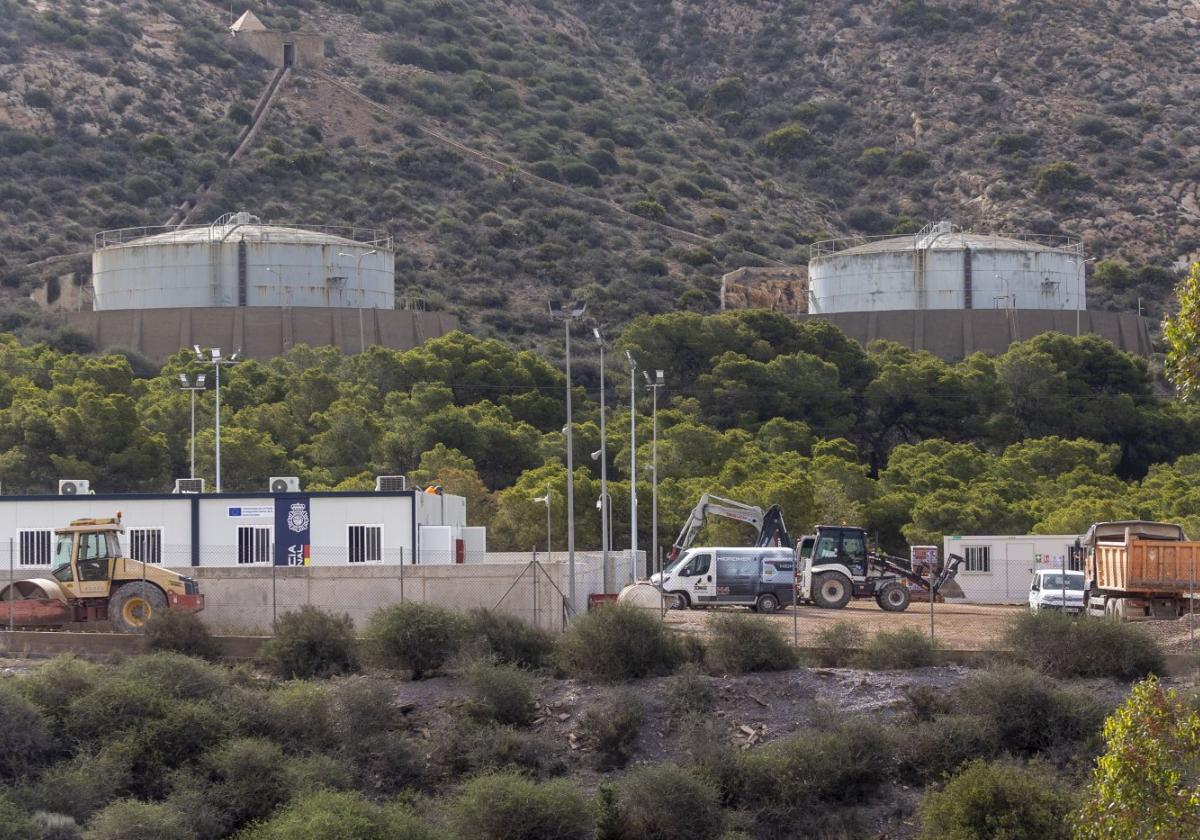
(653, 386)
(604, 504)
(633, 534)
(567, 316)
(217, 360)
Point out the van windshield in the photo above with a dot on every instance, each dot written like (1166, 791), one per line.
(1055, 581)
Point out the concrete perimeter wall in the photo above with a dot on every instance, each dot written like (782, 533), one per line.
(262, 332)
(957, 333)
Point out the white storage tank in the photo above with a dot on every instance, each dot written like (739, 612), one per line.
(240, 261)
(944, 267)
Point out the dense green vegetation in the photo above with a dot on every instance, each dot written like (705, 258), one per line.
(1053, 434)
(163, 745)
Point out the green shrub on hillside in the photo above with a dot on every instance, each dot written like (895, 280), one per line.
(505, 806)
(618, 642)
(792, 784)
(903, 648)
(1067, 647)
(311, 643)
(668, 802)
(130, 819)
(789, 141)
(26, 742)
(325, 815)
(744, 643)
(247, 779)
(418, 638)
(509, 639)
(15, 823)
(52, 686)
(1060, 177)
(1031, 714)
(180, 632)
(987, 801)
(838, 643)
(501, 693)
(933, 748)
(611, 727)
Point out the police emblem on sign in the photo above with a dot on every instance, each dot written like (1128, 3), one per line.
(297, 518)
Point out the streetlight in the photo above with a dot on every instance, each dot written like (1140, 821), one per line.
(604, 535)
(186, 384)
(362, 337)
(217, 360)
(568, 315)
(653, 386)
(546, 499)
(633, 540)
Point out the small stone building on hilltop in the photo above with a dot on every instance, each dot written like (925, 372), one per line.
(282, 49)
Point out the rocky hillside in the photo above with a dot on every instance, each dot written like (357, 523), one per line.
(624, 151)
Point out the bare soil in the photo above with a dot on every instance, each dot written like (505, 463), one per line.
(956, 626)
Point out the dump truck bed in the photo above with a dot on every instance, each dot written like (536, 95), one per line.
(1165, 567)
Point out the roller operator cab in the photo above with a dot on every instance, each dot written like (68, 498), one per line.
(760, 578)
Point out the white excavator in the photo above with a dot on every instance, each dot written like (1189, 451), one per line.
(771, 530)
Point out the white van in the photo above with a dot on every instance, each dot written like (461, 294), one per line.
(763, 579)
(1048, 590)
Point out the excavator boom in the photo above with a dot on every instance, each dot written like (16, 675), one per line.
(771, 530)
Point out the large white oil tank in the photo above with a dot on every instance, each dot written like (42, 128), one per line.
(240, 261)
(944, 267)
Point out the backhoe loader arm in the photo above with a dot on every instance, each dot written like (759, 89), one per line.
(714, 505)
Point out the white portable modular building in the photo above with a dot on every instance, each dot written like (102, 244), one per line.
(254, 529)
(999, 569)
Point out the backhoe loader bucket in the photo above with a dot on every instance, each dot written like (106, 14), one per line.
(33, 603)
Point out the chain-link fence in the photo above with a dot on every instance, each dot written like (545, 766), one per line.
(245, 593)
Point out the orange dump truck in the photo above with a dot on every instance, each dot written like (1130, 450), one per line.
(1138, 570)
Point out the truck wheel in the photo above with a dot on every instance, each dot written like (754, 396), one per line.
(134, 604)
(680, 601)
(894, 597)
(767, 603)
(831, 591)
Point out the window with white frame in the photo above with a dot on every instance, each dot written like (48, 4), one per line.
(253, 545)
(145, 544)
(34, 547)
(978, 557)
(365, 543)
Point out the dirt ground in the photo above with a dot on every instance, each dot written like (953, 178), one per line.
(955, 626)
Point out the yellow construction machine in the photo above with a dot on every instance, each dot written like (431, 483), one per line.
(90, 580)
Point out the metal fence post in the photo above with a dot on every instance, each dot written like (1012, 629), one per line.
(401, 574)
(12, 586)
(1192, 614)
(145, 621)
(932, 598)
(274, 600)
(536, 567)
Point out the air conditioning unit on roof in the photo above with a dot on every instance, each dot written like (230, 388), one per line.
(74, 487)
(285, 484)
(189, 485)
(390, 483)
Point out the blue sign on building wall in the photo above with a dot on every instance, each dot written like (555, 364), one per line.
(292, 521)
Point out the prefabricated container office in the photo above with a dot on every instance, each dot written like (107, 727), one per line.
(243, 529)
(999, 569)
